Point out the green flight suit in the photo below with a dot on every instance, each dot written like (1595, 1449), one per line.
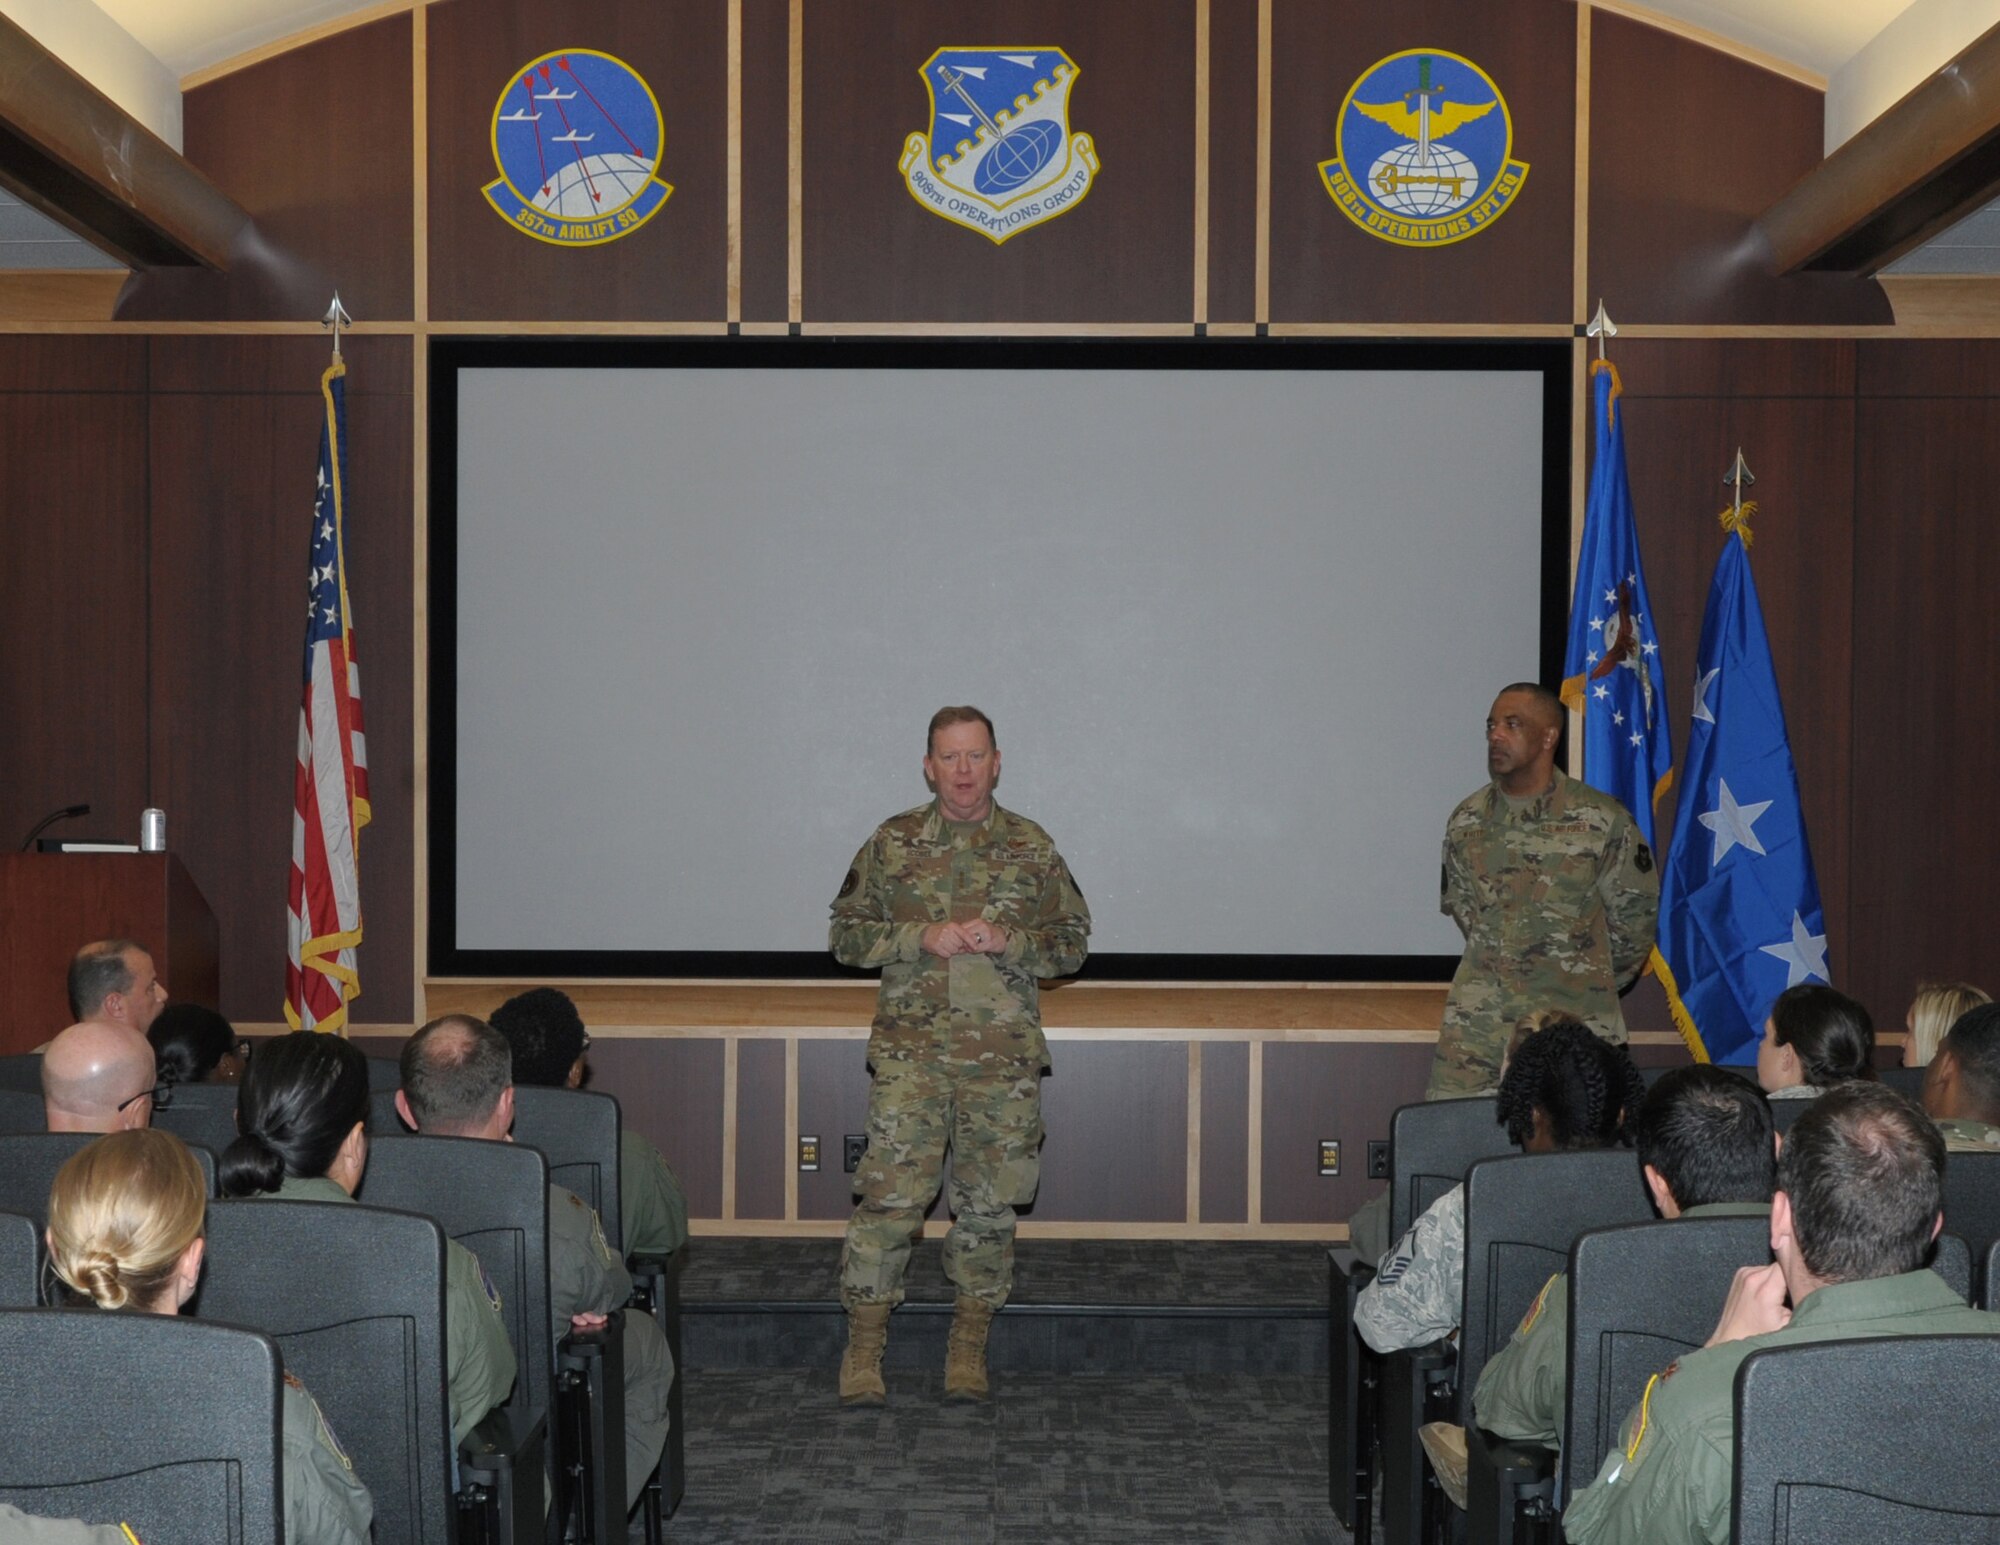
(325, 1502)
(957, 1046)
(1557, 900)
(18, 1528)
(586, 1276)
(652, 1207)
(1522, 1393)
(1668, 1478)
(479, 1359)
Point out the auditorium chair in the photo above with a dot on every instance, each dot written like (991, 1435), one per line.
(28, 1165)
(1785, 1112)
(354, 1297)
(385, 1073)
(20, 1262)
(1905, 1459)
(1972, 1202)
(1909, 1081)
(1522, 1214)
(493, 1198)
(202, 1115)
(1952, 1260)
(168, 1424)
(22, 1071)
(21, 1111)
(1989, 1288)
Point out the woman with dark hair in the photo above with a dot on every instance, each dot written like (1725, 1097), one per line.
(302, 1124)
(125, 1232)
(195, 1045)
(1814, 1038)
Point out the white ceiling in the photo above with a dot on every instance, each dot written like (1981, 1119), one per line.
(1820, 35)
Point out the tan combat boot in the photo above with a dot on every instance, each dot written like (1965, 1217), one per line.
(965, 1351)
(861, 1364)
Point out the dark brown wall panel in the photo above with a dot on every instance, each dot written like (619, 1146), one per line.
(763, 1147)
(1116, 1113)
(1125, 253)
(1946, 367)
(69, 363)
(671, 1091)
(1324, 268)
(1735, 367)
(833, 1101)
(1688, 147)
(1232, 161)
(1322, 1089)
(316, 143)
(1225, 1132)
(673, 268)
(232, 501)
(767, 202)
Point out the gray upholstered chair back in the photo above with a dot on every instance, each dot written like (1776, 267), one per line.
(21, 1111)
(20, 1262)
(577, 1130)
(201, 1114)
(1431, 1146)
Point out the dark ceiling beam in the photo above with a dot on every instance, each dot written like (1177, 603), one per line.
(81, 159)
(1924, 165)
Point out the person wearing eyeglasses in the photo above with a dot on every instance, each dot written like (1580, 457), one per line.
(99, 1077)
(196, 1045)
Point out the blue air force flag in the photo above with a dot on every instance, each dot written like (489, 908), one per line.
(1740, 917)
(1611, 669)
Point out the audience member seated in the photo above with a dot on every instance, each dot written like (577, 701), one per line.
(196, 1045)
(549, 1042)
(1814, 1038)
(458, 1082)
(1935, 1009)
(1962, 1083)
(113, 982)
(98, 1077)
(1705, 1147)
(1860, 1188)
(125, 1232)
(18, 1528)
(302, 1112)
(1565, 1088)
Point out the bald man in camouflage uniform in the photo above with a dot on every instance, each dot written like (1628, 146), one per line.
(965, 907)
(1554, 890)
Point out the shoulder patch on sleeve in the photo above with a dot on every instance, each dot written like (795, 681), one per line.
(852, 883)
(1643, 859)
(295, 1381)
(1535, 1309)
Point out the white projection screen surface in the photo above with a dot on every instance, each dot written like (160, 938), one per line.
(1238, 630)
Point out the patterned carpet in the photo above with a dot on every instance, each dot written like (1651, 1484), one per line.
(1055, 1458)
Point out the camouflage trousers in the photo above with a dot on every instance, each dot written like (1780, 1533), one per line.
(1470, 1049)
(990, 1113)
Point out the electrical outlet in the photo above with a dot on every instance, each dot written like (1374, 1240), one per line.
(1378, 1159)
(852, 1147)
(808, 1153)
(1329, 1156)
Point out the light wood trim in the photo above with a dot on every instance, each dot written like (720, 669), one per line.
(1763, 59)
(1253, 1172)
(1202, 19)
(290, 41)
(218, 329)
(1580, 432)
(582, 329)
(1768, 330)
(1421, 330)
(1232, 329)
(1262, 302)
(791, 1137)
(765, 329)
(1194, 1132)
(795, 176)
(60, 294)
(997, 329)
(729, 1125)
(420, 508)
(1961, 305)
(1579, 260)
(1027, 1228)
(733, 283)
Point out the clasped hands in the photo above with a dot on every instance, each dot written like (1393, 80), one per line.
(977, 937)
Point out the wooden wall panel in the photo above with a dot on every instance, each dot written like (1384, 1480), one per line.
(1321, 1090)
(1324, 268)
(671, 1091)
(833, 1101)
(1225, 1132)
(1133, 1167)
(1687, 147)
(51, 363)
(1126, 253)
(672, 268)
(1232, 161)
(1946, 367)
(316, 143)
(764, 1149)
(232, 499)
(766, 141)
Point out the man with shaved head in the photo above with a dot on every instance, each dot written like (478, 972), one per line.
(98, 1078)
(1553, 888)
(113, 982)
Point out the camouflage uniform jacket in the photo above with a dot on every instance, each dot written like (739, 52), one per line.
(1557, 902)
(916, 871)
(1522, 1394)
(1964, 1135)
(1415, 1297)
(1668, 1478)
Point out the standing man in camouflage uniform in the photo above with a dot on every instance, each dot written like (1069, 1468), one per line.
(964, 906)
(1552, 887)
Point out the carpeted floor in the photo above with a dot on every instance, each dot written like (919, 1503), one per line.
(1055, 1458)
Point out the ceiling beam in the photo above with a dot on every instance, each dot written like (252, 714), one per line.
(1924, 165)
(77, 156)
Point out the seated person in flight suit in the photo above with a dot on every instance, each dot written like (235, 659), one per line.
(1962, 1083)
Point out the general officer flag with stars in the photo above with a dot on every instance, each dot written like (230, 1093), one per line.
(1611, 669)
(1740, 917)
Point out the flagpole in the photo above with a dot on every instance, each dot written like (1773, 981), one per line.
(1737, 517)
(1601, 327)
(336, 318)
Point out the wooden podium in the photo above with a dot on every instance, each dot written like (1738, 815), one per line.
(51, 903)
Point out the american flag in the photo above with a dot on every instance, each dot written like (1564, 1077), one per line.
(330, 782)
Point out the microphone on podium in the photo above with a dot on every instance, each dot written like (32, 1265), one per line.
(67, 813)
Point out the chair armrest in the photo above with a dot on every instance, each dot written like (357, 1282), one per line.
(1505, 1482)
(505, 1458)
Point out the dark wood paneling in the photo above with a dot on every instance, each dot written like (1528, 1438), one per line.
(73, 603)
(833, 1101)
(67, 363)
(1315, 1090)
(1126, 253)
(1116, 1113)
(767, 120)
(1232, 161)
(316, 143)
(1926, 848)
(671, 1092)
(763, 1146)
(224, 363)
(672, 268)
(1736, 367)
(1324, 268)
(1225, 1132)
(1955, 367)
(1687, 147)
(232, 489)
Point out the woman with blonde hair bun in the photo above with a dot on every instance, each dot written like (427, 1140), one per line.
(1934, 1010)
(125, 1232)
